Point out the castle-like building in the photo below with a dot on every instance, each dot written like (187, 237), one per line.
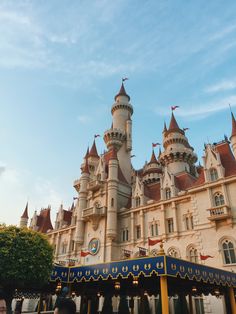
(190, 208)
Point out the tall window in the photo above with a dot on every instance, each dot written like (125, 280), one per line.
(170, 225)
(64, 247)
(154, 229)
(125, 235)
(188, 222)
(213, 174)
(112, 202)
(137, 201)
(219, 199)
(72, 245)
(228, 252)
(138, 232)
(193, 255)
(168, 193)
(199, 305)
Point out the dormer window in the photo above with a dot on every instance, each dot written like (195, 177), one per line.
(213, 174)
(168, 193)
(219, 199)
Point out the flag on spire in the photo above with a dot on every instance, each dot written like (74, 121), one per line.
(155, 144)
(97, 135)
(185, 129)
(204, 257)
(174, 107)
(124, 79)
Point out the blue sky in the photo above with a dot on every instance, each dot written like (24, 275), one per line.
(61, 63)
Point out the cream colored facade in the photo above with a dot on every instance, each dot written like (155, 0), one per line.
(192, 209)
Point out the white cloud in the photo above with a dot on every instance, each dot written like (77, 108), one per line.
(222, 86)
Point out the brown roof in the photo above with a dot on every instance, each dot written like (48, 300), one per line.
(67, 214)
(227, 158)
(233, 125)
(153, 191)
(93, 151)
(184, 181)
(25, 213)
(173, 124)
(153, 158)
(85, 169)
(87, 153)
(44, 221)
(165, 128)
(122, 92)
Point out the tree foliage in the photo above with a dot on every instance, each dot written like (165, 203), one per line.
(25, 258)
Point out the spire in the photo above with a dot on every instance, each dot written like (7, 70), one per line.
(93, 151)
(159, 152)
(86, 167)
(153, 158)
(87, 153)
(165, 128)
(173, 124)
(25, 213)
(233, 125)
(122, 92)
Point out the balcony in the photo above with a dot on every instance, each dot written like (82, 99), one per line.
(222, 212)
(95, 185)
(94, 214)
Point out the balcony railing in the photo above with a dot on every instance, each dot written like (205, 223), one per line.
(94, 185)
(94, 211)
(220, 213)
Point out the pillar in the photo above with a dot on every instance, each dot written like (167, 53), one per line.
(232, 300)
(164, 295)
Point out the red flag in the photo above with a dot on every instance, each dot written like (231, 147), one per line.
(204, 257)
(97, 135)
(124, 79)
(153, 242)
(174, 107)
(83, 253)
(155, 144)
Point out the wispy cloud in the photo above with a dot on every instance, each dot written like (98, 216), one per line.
(200, 111)
(222, 86)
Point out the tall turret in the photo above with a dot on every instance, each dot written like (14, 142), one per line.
(120, 134)
(112, 195)
(233, 135)
(24, 218)
(81, 187)
(178, 155)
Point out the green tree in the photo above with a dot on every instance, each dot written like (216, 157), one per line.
(25, 260)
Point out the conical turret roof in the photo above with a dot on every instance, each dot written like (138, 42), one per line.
(87, 153)
(233, 125)
(25, 213)
(122, 92)
(173, 124)
(165, 128)
(86, 167)
(93, 151)
(153, 158)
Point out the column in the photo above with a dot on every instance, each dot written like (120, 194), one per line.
(142, 225)
(164, 295)
(232, 300)
(132, 227)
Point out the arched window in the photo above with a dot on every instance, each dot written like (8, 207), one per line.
(193, 254)
(112, 202)
(137, 201)
(213, 174)
(219, 199)
(168, 193)
(173, 252)
(228, 252)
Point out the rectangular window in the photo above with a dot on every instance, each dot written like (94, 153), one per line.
(152, 230)
(199, 306)
(64, 246)
(156, 229)
(138, 232)
(187, 223)
(170, 225)
(125, 235)
(72, 245)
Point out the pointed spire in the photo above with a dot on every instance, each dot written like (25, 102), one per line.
(173, 123)
(159, 151)
(86, 167)
(153, 158)
(93, 151)
(165, 128)
(122, 92)
(233, 125)
(87, 153)
(25, 213)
